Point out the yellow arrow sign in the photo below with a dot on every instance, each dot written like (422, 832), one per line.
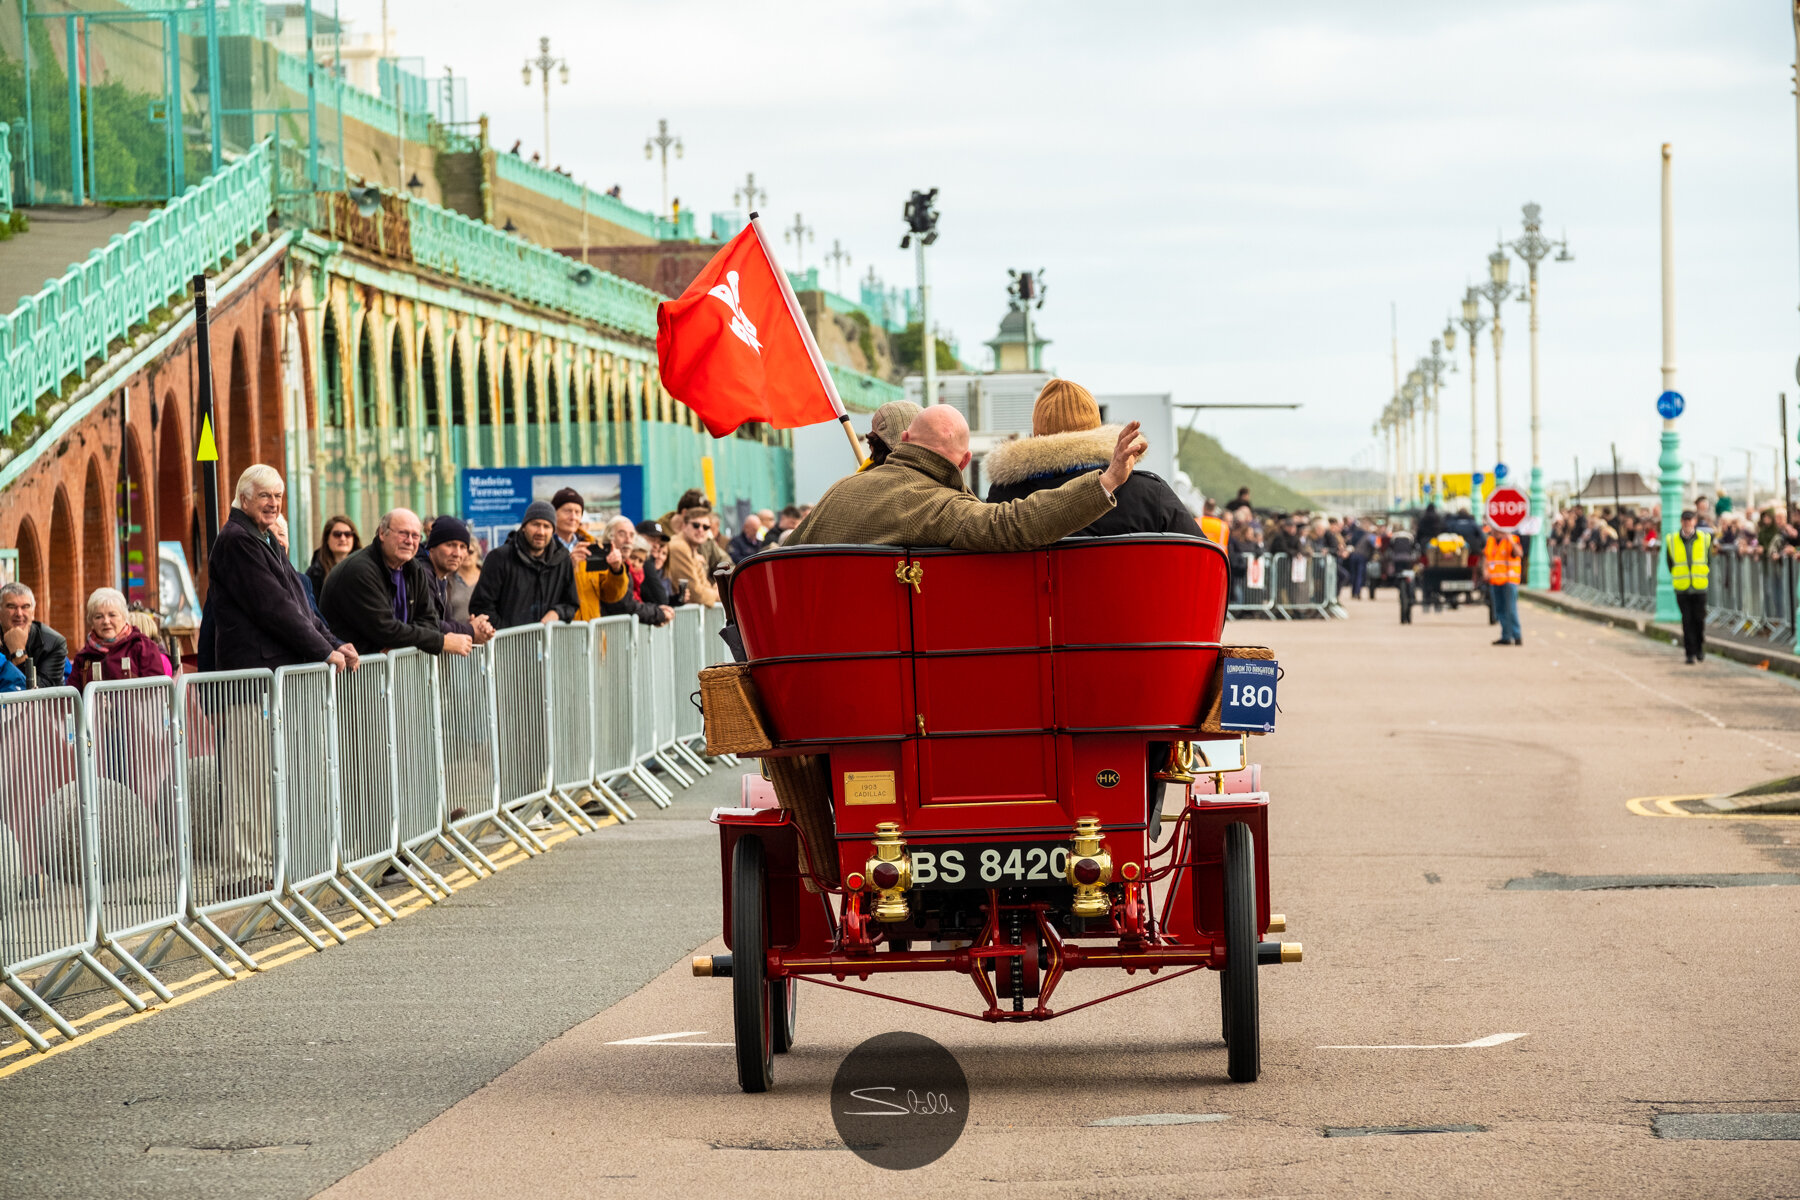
(209, 449)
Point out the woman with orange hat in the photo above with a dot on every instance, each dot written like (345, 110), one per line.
(1067, 439)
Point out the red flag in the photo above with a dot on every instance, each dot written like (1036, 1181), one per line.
(734, 347)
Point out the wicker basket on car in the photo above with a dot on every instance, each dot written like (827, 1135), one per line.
(733, 714)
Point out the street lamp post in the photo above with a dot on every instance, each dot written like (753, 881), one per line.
(662, 141)
(1496, 291)
(750, 195)
(1432, 369)
(545, 63)
(798, 233)
(1670, 462)
(1473, 323)
(1533, 248)
(837, 258)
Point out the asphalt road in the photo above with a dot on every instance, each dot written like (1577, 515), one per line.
(1417, 772)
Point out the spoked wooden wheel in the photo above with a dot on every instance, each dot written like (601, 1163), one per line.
(750, 998)
(1243, 1026)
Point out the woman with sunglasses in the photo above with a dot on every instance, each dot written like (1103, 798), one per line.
(337, 541)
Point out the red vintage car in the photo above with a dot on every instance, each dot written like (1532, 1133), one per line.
(1000, 735)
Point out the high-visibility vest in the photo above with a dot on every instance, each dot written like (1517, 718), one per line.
(1684, 575)
(1213, 528)
(1502, 556)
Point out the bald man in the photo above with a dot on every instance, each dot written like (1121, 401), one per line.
(917, 497)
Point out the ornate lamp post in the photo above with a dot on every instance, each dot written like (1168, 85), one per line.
(1669, 405)
(798, 233)
(663, 140)
(1413, 404)
(1496, 290)
(1432, 371)
(545, 62)
(1533, 248)
(1473, 323)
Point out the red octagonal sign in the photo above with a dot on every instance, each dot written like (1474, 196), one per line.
(1507, 509)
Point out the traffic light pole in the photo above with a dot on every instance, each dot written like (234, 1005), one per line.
(927, 344)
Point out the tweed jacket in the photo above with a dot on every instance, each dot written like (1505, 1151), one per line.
(917, 498)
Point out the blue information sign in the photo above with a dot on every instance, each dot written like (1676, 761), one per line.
(1670, 405)
(494, 498)
(1501, 471)
(1248, 705)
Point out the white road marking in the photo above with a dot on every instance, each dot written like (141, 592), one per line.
(668, 1039)
(1492, 1039)
(1701, 712)
(1161, 1119)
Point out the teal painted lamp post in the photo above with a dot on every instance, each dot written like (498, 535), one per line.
(1533, 248)
(1669, 405)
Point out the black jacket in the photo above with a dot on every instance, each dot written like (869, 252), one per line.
(1143, 503)
(742, 547)
(656, 588)
(46, 658)
(258, 609)
(358, 603)
(629, 605)
(518, 588)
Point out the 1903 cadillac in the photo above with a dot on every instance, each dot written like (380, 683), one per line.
(966, 761)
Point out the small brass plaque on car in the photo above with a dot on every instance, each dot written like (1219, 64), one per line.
(868, 787)
(1107, 778)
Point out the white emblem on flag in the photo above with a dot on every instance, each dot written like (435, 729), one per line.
(740, 324)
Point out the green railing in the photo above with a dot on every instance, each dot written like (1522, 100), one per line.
(565, 190)
(5, 169)
(455, 245)
(742, 469)
(863, 393)
(58, 333)
(354, 103)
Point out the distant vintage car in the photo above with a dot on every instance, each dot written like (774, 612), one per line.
(966, 761)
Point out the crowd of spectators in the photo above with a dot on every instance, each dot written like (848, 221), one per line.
(1769, 533)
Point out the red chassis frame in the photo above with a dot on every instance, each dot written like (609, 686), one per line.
(812, 935)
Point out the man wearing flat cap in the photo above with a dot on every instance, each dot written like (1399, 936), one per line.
(887, 428)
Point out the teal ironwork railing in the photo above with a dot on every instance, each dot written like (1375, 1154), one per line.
(6, 201)
(863, 393)
(354, 103)
(453, 244)
(57, 333)
(565, 190)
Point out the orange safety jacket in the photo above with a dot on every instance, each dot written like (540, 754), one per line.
(1213, 528)
(1502, 557)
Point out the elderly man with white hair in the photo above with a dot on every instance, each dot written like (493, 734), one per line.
(381, 598)
(258, 612)
(34, 649)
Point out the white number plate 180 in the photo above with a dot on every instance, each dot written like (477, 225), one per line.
(991, 864)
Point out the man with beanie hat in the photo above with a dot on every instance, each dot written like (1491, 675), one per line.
(917, 497)
(1067, 440)
(447, 548)
(527, 580)
(886, 428)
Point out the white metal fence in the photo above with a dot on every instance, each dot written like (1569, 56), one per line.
(1287, 587)
(1745, 596)
(144, 813)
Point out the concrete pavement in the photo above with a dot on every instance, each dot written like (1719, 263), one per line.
(1417, 771)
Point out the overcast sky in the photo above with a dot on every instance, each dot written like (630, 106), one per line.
(1226, 198)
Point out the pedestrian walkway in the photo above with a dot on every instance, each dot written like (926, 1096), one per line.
(1757, 652)
(279, 1084)
(58, 238)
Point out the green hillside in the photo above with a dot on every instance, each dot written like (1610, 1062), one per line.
(1219, 474)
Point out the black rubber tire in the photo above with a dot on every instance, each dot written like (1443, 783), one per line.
(751, 1016)
(1243, 1030)
(783, 1003)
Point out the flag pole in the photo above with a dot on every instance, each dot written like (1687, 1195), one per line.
(806, 335)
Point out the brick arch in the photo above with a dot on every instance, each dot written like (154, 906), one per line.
(59, 603)
(31, 560)
(97, 532)
(268, 392)
(240, 414)
(137, 512)
(172, 488)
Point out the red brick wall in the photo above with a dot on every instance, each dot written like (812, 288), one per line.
(61, 514)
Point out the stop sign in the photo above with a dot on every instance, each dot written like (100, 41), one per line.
(1507, 508)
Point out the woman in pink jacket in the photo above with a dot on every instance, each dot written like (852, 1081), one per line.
(116, 649)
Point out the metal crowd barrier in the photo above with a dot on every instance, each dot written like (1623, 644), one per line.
(146, 813)
(1746, 596)
(1252, 587)
(1305, 585)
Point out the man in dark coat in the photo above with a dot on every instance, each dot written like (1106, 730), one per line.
(258, 612)
(528, 580)
(381, 597)
(1067, 440)
(35, 650)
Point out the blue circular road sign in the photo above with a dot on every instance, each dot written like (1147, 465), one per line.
(1670, 405)
(1501, 471)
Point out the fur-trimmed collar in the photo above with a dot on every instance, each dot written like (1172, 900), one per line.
(1050, 455)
